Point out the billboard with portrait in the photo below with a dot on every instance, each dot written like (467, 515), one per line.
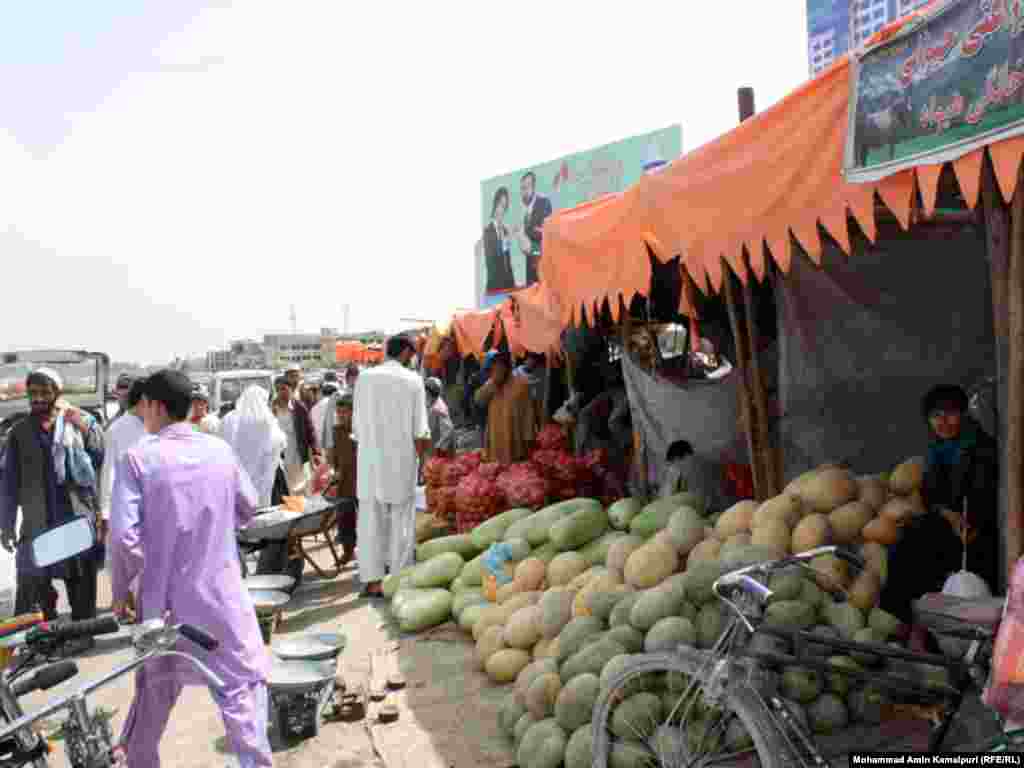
(513, 207)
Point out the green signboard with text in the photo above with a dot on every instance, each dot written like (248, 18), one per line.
(950, 82)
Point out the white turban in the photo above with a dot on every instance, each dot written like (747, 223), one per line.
(52, 375)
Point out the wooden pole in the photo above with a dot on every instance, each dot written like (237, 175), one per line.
(746, 408)
(997, 245)
(1014, 453)
(759, 396)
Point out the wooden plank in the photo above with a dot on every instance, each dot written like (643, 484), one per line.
(997, 246)
(769, 466)
(1014, 453)
(742, 367)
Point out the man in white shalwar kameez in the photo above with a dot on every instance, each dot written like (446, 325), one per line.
(121, 436)
(391, 427)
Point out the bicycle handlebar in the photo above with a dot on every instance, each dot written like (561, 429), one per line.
(743, 577)
(160, 649)
(199, 637)
(45, 678)
(72, 630)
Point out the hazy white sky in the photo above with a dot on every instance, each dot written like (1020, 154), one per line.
(176, 173)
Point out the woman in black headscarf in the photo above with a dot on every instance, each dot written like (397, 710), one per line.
(961, 466)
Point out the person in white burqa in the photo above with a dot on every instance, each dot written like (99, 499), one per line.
(257, 439)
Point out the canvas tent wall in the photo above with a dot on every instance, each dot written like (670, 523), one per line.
(862, 340)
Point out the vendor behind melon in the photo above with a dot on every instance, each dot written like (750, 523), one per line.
(961, 466)
(511, 416)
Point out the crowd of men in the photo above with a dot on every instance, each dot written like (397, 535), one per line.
(167, 495)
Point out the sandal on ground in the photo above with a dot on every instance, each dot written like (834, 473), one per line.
(371, 594)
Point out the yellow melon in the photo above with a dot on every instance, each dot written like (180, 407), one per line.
(848, 521)
(881, 530)
(907, 477)
(813, 531)
(829, 489)
(865, 589)
(530, 574)
(775, 535)
(784, 507)
(873, 491)
(897, 510)
(736, 519)
(707, 551)
(832, 572)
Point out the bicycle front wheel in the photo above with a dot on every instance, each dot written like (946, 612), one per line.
(691, 725)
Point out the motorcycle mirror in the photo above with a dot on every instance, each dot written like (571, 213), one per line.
(62, 542)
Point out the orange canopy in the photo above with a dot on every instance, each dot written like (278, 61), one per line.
(779, 172)
(471, 329)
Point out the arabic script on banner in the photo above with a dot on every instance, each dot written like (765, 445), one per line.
(950, 83)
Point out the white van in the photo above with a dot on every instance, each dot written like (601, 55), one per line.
(228, 386)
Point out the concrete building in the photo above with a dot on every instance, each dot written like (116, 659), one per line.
(219, 360)
(835, 26)
(246, 353)
(283, 349)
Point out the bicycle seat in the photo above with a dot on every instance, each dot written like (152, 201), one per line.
(936, 610)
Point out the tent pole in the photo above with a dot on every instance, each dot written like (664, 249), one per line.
(997, 245)
(742, 368)
(769, 465)
(1014, 453)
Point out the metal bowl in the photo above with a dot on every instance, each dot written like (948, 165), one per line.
(299, 676)
(268, 600)
(310, 647)
(273, 582)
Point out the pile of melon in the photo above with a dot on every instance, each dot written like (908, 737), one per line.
(591, 586)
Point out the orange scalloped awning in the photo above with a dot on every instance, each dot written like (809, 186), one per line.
(775, 175)
(471, 330)
(531, 319)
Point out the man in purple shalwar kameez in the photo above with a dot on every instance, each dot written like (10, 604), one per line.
(179, 497)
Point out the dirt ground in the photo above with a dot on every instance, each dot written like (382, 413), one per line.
(447, 711)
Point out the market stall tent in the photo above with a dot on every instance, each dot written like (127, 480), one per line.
(775, 175)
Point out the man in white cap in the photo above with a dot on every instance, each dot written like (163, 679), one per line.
(50, 470)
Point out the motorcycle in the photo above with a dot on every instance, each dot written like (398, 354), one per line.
(88, 740)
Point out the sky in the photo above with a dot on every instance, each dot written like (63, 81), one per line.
(178, 173)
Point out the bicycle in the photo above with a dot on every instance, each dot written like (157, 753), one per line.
(41, 644)
(88, 739)
(727, 703)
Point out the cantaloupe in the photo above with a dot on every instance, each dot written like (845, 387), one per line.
(897, 510)
(813, 531)
(565, 567)
(529, 673)
(523, 628)
(650, 565)
(865, 589)
(832, 572)
(784, 507)
(542, 694)
(505, 665)
(530, 574)
(882, 531)
(876, 560)
(621, 549)
(737, 519)
(873, 491)
(490, 642)
(907, 477)
(797, 484)
(848, 521)
(546, 648)
(774, 535)
(829, 489)
(707, 551)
